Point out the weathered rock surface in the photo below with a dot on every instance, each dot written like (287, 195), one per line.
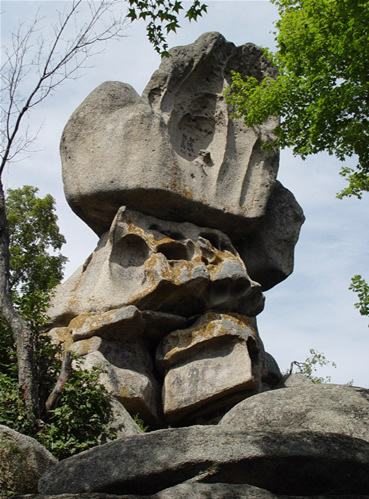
(316, 407)
(282, 462)
(174, 152)
(128, 373)
(22, 462)
(269, 251)
(121, 422)
(210, 365)
(175, 268)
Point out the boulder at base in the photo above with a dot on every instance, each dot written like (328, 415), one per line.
(317, 407)
(282, 462)
(22, 461)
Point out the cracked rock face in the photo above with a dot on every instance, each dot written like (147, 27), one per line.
(193, 226)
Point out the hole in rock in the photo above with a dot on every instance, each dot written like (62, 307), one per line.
(219, 242)
(212, 238)
(194, 133)
(176, 251)
(130, 251)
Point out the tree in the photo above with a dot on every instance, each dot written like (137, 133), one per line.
(361, 288)
(81, 418)
(33, 233)
(321, 90)
(35, 267)
(32, 69)
(309, 367)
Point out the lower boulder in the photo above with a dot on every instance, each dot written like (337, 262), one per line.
(282, 462)
(22, 461)
(210, 366)
(307, 406)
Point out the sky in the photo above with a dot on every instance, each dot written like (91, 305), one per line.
(313, 308)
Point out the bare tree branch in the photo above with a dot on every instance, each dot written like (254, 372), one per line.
(54, 63)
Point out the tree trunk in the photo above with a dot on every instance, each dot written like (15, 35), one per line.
(22, 334)
(65, 371)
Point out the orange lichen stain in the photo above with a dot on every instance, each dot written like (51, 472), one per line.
(61, 336)
(93, 321)
(87, 346)
(124, 393)
(208, 327)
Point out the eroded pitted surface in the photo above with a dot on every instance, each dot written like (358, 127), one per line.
(174, 152)
(175, 268)
(146, 279)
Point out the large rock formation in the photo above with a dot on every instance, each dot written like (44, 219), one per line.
(193, 226)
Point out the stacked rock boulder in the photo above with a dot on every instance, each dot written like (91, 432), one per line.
(193, 227)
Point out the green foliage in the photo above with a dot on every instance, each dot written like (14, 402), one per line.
(361, 288)
(35, 267)
(13, 412)
(163, 18)
(81, 418)
(321, 91)
(310, 365)
(79, 422)
(140, 423)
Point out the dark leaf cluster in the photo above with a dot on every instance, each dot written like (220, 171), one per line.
(162, 17)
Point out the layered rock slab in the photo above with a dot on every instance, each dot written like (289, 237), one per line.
(283, 462)
(193, 163)
(210, 365)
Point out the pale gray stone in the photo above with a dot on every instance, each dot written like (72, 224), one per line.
(318, 407)
(215, 376)
(123, 323)
(174, 153)
(127, 374)
(176, 268)
(294, 380)
(210, 328)
(22, 462)
(209, 366)
(121, 421)
(269, 251)
(282, 462)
